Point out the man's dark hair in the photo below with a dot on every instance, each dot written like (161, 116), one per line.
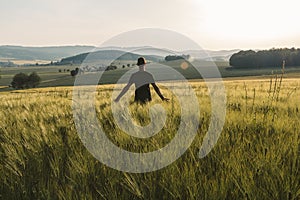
(141, 61)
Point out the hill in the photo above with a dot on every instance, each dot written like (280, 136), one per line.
(220, 55)
(58, 52)
(52, 53)
(107, 55)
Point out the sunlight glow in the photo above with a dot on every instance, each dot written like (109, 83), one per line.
(213, 24)
(256, 19)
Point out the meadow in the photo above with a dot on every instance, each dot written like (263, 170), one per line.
(256, 157)
(51, 77)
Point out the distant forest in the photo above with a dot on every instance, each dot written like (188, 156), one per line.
(266, 58)
(175, 57)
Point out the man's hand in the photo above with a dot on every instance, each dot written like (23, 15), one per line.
(116, 100)
(166, 99)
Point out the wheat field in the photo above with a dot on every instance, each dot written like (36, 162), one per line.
(256, 157)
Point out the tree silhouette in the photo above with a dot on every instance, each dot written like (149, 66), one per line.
(265, 58)
(21, 80)
(33, 80)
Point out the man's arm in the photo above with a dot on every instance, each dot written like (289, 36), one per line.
(158, 92)
(124, 90)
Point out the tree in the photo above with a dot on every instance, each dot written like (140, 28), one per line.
(177, 57)
(243, 59)
(75, 72)
(20, 81)
(33, 80)
(265, 58)
(110, 67)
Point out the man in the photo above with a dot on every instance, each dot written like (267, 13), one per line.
(141, 79)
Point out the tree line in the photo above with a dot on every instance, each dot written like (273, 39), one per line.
(177, 57)
(266, 58)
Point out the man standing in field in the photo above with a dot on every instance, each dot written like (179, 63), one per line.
(141, 79)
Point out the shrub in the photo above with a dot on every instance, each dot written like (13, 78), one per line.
(75, 72)
(111, 67)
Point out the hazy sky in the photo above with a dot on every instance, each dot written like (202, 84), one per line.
(213, 24)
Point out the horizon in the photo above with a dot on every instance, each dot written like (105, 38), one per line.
(214, 25)
(124, 47)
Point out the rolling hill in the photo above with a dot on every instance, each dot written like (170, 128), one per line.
(53, 53)
(107, 55)
(20, 55)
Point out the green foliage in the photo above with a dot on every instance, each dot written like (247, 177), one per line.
(74, 72)
(111, 67)
(176, 57)
(22, 81)
(256, 157)
(52, 78)
(33, 80)
(265, 58)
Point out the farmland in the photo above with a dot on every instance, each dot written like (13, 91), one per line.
(51, 77)
(256, 157)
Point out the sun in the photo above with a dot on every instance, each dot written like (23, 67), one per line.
(256, 21)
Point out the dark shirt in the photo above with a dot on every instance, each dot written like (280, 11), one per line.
(142, 79)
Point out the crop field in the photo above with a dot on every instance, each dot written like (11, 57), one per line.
(256, 157)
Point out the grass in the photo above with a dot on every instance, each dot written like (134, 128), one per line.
(256, 157)
(51, 77)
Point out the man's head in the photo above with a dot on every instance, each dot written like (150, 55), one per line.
(141, 61)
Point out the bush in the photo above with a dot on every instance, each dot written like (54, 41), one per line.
(111, 67)
(21, 81)
(75, 72)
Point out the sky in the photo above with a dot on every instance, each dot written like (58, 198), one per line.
(212, 24)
